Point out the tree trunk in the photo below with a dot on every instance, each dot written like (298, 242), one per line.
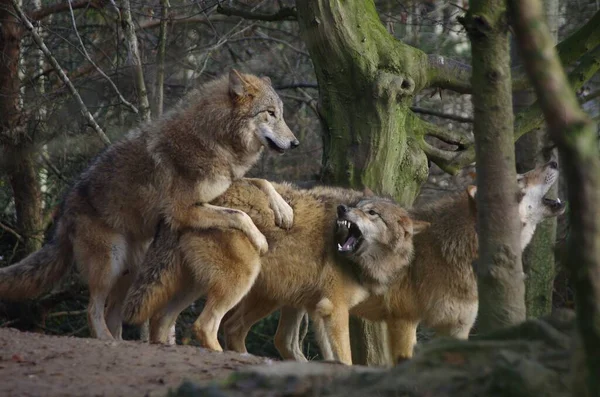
(367, 80)
(577, 140)
(499, 269)
(531, 150)
(15, 142)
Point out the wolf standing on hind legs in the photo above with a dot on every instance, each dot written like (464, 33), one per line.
(169, 169)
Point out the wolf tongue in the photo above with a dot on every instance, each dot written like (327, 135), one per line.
(349, 243)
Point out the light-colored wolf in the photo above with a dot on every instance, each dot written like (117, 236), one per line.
(439, 288)
(170, 169)
(308, 266)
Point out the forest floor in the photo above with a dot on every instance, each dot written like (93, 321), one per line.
(33, 364)
(531, 359)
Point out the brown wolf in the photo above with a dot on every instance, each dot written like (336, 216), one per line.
(439, 288)
(171, 168)
(324, 263)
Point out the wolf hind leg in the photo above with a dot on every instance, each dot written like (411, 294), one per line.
(100, 255)
(162, 324)
(287, 336)
(114, 319)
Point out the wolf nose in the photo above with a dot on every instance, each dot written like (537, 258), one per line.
(553, 164)
(295, 143)
(341, 210)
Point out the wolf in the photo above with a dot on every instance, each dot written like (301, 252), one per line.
(169, 169)
(342, 247)
(439, 288)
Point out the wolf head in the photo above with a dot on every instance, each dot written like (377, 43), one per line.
(375, 226)
(262, 111)
(534, 207)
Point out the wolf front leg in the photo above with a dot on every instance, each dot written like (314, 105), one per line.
(335, 317)
(284, 214)
(402, 336)
(186, 212)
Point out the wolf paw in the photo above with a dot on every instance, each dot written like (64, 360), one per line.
(284, 214)
(259, 241)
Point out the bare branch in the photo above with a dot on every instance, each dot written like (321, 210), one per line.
(283, 14)
(297, 85)
(442, 115)
(175, 20)
(590, 97)
(10, 230)
(87, 56)
(63, 76)
(64, 7)
(136, 61)
(449, 74)
(160, 58)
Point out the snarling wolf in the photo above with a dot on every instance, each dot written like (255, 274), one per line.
(439, 288)
(342, 247)
(169, 169)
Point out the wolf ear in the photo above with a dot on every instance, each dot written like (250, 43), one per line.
(420, 226)
(237, 84)
(472, 191)
(368, 192)
(267, 80)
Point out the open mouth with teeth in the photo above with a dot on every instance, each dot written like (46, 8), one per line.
(349, 236)
(273, 146)
(555, 205)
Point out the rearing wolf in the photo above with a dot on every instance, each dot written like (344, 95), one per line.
(170, 169)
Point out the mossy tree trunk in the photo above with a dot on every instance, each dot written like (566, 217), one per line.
(367, 82)
(577, 140)
(532, 150)
(499, 269)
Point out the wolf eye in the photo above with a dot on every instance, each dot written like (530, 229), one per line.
(372, 212)
(271, 113)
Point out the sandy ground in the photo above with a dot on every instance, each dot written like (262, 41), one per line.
(40, 365)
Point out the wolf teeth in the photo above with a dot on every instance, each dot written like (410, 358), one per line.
(339, 247)
(558, 200)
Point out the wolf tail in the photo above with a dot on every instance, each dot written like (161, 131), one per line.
(157, 281)
(35, 274)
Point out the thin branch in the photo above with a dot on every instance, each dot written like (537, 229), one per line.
(40, 43)
(174, 20)
(160, 59)
(63, 7)
(283, 14)
(136, 61)
(87, 56)
(442, 115)
(589, 97)
(296, 85)
(268, 38)
(10, 230)
(67, 313)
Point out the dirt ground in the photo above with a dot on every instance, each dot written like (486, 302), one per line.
(33, 364)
